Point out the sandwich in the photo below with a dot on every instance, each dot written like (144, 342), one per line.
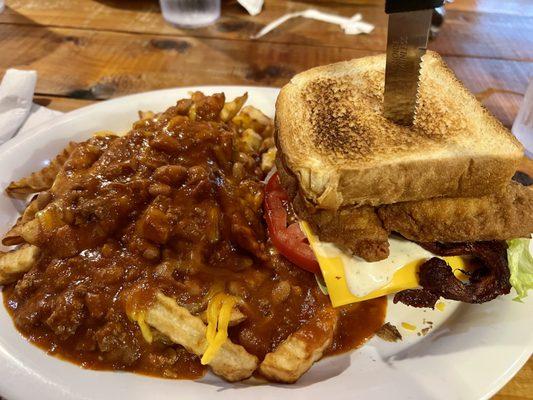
(421, 212)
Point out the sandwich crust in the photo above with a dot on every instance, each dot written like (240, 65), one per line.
(335, 139)
(356, 230)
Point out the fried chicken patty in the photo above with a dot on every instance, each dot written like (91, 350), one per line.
(357, 230)
(500, 216)
(363, 230)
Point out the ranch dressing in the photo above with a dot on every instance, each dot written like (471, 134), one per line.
(364, 277)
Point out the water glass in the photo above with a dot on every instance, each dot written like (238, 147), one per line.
(523, 124)
(190, 13)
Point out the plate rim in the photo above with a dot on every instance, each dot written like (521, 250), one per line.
(72, 114)
(15, 144)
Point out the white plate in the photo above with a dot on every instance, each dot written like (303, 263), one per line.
(471, 352)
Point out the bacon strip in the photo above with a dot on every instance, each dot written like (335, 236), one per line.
(437, 278)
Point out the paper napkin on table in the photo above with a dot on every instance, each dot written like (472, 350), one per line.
(351, 26)
(18, 114)
(253, 7)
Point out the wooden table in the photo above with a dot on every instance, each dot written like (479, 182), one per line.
(86, 51)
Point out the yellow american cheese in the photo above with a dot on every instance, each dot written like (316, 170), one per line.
(334, 274)
(139, 317)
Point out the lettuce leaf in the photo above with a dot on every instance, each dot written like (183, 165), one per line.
(520, 262)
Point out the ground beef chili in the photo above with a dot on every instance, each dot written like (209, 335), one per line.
(173, 206)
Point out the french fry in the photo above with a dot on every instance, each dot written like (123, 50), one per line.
(14, 236)
(40, 180)
(31, 231)
(231, 109)
(252, 118)
(268, 159)
(146, 114)
(295, 355)
(36, 205)
(105, 133)
(85, 156)
(232, 362)
(16, 262)
(250, 142)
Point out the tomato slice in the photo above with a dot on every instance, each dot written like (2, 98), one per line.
(290, 241)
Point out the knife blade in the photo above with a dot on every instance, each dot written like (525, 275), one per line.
(407, 37)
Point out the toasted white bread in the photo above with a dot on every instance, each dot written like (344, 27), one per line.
(333, 136)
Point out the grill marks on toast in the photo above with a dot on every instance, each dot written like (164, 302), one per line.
(337, 127)
(334, 137)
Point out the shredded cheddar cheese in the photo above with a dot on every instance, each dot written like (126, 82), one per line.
(138, 316)
(216, 288)
(334, 273)
(408, 326)
(218, 317)
(49, 218)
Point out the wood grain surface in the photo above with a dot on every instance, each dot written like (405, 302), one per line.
(502, 38)
(99, 65)
(91, 50)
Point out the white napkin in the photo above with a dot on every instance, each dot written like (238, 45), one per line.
(253, 7)
(38, 115)
(18, 115)
(351, 26)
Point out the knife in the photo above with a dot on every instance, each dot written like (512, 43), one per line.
(409, 23)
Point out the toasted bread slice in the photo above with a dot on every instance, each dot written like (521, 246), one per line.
(333, 136)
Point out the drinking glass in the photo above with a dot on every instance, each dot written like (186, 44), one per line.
(523, 124)
(190, 13)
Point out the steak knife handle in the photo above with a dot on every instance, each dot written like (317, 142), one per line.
(396, 6)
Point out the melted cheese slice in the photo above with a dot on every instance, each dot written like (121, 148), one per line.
(352, 279)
